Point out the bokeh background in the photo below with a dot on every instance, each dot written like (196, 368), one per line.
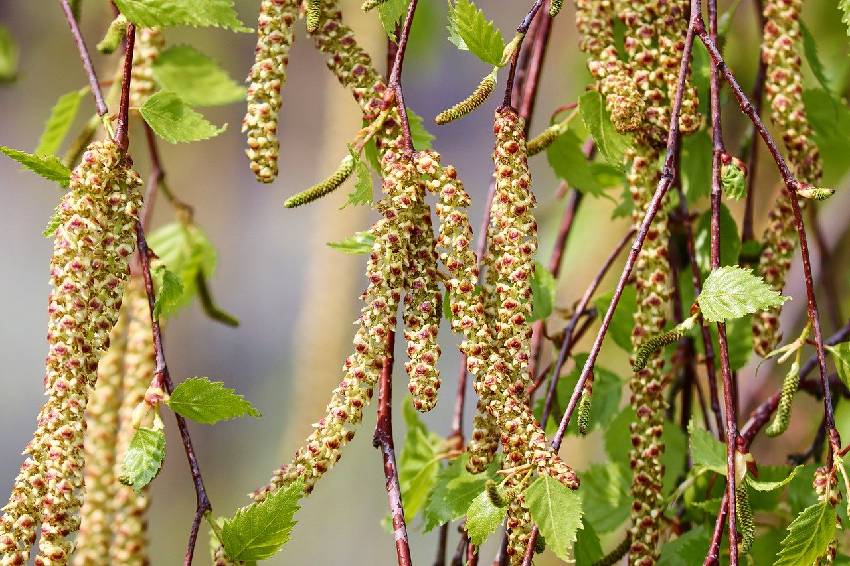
(296, 297)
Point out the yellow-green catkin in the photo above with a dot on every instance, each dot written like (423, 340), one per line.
(784, 89)
(311, 17)
(92, 243)
(826, 487)
(275, 33)
(149, 44)
(555, 7)
(518, 525)
(95, 534)
(317, 191)
(470, 103)
(371, 4)
(782, 418)
(129, 507)
(744, 511)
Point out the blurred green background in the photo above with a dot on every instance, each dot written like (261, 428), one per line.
(295, 296)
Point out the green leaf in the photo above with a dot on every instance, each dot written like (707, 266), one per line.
(611, 143)
(731, 292)
(483, 518)
(196, 78)
(257, 531)
(557, 511)
(174, 121)
(542, 292)
(623, 320)
(772, 485)
(187, 252)
(143, 458)
(810, 48)
(61, 117)
(588, 549)
(470, 30)
(687, 549)
(208, 402)
(696, 166)
(54, 223)
(707, 451)
(808, 536)
(419, 134)
(8, 55)
(453, 492)
(48, 166)
(566, 158)
(841, 358)
(390, 13)
(169, 290)
(605, 491)
(730, 241)
(362, 192)
(844, 6)
(675, 449)
(359, 243)
(418, 462)
(196, 13)
(830, 122)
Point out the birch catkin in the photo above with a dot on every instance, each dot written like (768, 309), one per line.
(95, 534)
(149, 43)
(275, 33)
(88, 270)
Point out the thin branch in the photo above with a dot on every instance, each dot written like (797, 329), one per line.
(752, 159)
(791, 185)
(522, 30)
(124, 108)
(383, 440)
(728, 387)
(84, 56)
(664, 183)
(395, 73)
(162, 377)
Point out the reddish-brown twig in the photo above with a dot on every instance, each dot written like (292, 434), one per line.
(84, 57)
(124, 107)
(752, 159)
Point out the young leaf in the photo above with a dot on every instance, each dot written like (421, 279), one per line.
(359, 243)
(707, 451)
(841, 358)
(362, 193)
(195, 77)
(773, 485)
(390, 13)
(611, 143)
(208, 402)
(174, 121)
(687, 549)
(143, 458)
(61, 117)
(169, 290)
(453, 492)
(810, 48)
(569, 163)
(196, 13)
(53, 223)
(48, 166)
(557, 511)
(419, 134)
(731, 292)
(588, 549)
(259, 530)
(542, 292)
(187, 252)
(808, 536)
(483, 518)
(470, 30)
(418, 462)
(623, 320)
(8, 55)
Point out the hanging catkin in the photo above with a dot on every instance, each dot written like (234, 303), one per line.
(94, 238)
(149, 44)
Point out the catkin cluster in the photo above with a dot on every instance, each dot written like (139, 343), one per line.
(148, 45)
(784, 89)
(94, 238)
(275, 32)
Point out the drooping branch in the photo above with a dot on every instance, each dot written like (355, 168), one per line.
(84, 57)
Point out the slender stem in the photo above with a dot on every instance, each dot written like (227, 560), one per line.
(84, 56)
(163, 377)
(728, 387)
(752, 159)
(522, 30)
(383, 440)
(124, 109)
(791, 185)
(395, 73)
(155, 177)
(530, 78)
